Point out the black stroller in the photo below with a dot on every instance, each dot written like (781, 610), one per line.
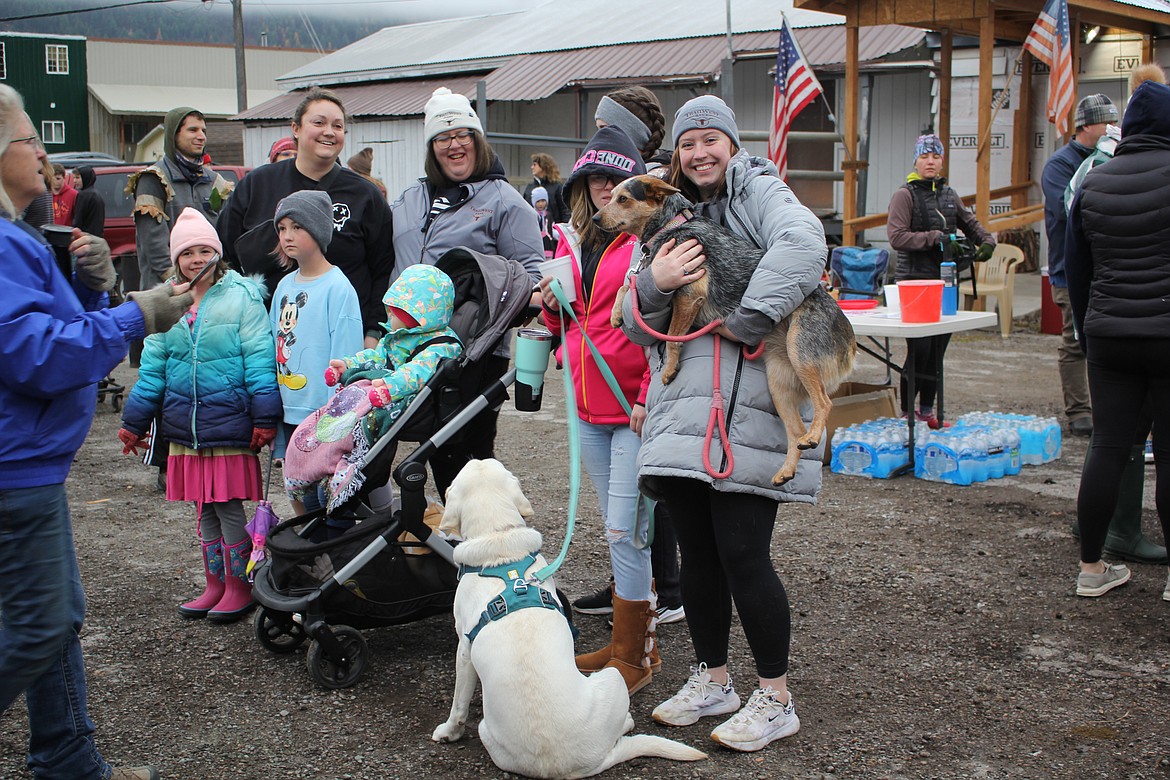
(389, 568)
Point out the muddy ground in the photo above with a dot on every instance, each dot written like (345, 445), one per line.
(936, 631)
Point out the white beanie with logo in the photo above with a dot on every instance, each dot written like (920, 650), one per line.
(448, 111)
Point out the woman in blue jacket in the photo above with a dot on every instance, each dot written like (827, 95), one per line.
(57, 339)
(213, 376)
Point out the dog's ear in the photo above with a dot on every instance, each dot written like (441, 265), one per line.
(523, 505)
(452, 522)
(656, 189)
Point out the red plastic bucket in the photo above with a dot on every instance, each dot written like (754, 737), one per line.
(921, 300)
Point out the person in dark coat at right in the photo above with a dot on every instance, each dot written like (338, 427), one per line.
(89, 210)
(1117, 260)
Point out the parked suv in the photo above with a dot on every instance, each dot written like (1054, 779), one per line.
(111, 186)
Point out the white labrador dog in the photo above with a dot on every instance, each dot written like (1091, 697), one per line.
(541, 717)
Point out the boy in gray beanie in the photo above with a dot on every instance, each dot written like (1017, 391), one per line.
(705, 111)
(312, 210)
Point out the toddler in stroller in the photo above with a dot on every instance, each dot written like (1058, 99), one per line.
(373, 574)
(377, 385)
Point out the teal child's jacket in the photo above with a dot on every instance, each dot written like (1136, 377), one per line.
(215, 383)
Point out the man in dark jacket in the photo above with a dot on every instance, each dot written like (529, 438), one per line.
(1118, 269)
(1092, 115)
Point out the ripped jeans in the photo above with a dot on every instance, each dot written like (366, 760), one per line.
(610, 455)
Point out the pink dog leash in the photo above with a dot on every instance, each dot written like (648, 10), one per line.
(717, 419)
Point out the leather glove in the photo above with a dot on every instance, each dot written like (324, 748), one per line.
(262, 437)
(131, 442)
(94, 267)
(161, 309)
(984, 252)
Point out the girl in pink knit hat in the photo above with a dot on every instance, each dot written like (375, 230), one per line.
(213, 376)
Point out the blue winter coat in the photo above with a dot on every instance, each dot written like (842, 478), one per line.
(216, 384)
(56, 341)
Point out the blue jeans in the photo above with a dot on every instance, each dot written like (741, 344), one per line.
(42, 607)
(610, 455)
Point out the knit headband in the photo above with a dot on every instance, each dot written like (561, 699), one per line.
(614, 113)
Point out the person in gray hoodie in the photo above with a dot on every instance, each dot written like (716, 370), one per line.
(724, 521)
(464, 200)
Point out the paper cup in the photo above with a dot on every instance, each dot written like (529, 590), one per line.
(891, 293)
(561, 268)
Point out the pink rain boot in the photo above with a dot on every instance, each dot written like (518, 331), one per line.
(213, 570)
(237, 595)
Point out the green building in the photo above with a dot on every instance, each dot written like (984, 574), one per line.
(49, 71)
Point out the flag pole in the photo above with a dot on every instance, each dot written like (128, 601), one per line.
(828, 108)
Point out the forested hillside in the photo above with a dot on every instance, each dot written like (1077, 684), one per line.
(188, 21)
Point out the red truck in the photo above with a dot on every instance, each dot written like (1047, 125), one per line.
(111, 186)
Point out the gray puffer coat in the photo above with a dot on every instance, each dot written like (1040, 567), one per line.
(764, 210)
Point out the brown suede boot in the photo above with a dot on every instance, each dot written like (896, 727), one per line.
(632, 642)
(588, 663)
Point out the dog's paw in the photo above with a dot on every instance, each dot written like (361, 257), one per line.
(807, 442)
(668, 375)
(448, 732)
(615, 320)
(782, 476)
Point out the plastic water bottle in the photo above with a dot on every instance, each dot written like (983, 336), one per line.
(950, 297)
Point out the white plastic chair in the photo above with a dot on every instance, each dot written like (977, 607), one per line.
(995, 277)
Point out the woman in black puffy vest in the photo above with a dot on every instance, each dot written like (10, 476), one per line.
(925, 215)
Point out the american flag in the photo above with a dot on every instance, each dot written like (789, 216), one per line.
(796, 87)
(1049, 41)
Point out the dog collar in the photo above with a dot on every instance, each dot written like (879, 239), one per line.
(684, 216)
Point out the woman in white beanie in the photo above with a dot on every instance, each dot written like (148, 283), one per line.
(465, 200)
(361, 247)
(724, 519)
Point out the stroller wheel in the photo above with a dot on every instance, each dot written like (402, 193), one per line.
(278, 632)
(333, 673)
(116, 402)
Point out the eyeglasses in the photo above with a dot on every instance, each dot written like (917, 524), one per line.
(34, 140)
(445, 141)
(599, 181)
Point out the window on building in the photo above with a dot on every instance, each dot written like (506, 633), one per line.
(56, 59)
(52, 132)
(3, 64)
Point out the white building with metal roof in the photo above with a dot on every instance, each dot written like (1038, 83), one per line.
(542, 72)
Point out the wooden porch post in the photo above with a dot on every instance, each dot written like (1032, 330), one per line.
(849, 206)
(1022, 131)
(983, 155)
(945, 61)
(1147, 48)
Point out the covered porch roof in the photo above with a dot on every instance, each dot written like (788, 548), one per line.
(989, 21)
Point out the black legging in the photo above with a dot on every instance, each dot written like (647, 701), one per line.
(1123, 375)
(725, 542)
(926, 352)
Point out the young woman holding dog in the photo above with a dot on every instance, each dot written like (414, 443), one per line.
(609, 437)
(724, 525)
(924, 213)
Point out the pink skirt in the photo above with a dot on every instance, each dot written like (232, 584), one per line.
(213, 475)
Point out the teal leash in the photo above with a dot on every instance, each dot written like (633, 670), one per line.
(575, 436)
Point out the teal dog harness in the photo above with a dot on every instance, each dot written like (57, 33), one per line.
(518, 592)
